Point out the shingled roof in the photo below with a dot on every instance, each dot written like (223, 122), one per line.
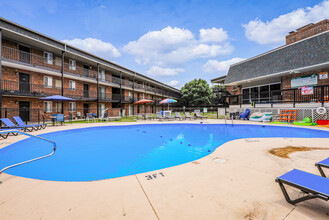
(308, 52)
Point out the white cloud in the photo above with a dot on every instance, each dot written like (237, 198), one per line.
(95, 46)
(274, 31)
(173, 83)
(214, 66)
(173, 47)
(159, 71)
(213, 35)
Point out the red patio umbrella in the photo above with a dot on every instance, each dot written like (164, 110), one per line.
(143, 101)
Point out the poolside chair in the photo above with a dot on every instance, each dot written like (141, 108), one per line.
(90, 117)
(79, 116)
(5, 135)
(167, 115)
(188, 115)
(178, 115)
(60, 118)
(10, 125)
(70, 117)
(159, 116)
(21, 123)
(198, 115)
(105, 117)
(323, 163)
(313, 185)
(245, 115)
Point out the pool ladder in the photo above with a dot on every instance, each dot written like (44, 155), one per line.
(27, 161)
(231, 120)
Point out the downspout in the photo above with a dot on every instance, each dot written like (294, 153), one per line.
(98, 113)
(62, 72)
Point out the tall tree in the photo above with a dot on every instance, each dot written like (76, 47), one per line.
(197, 93)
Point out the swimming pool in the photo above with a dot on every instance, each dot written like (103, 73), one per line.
(97, 153)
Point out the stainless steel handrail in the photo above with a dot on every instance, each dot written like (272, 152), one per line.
(27, 161)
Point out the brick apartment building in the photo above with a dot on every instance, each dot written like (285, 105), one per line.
(33, 65)
(294, 73)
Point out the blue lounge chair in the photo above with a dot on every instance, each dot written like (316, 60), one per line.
(60, 118)
(313, 185)
(323, 163)
(21, 123)
(5, 135)
(245, 115)
(10, 125)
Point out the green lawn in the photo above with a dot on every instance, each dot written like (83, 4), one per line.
(124, 119)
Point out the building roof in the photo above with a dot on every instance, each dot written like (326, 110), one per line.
(307, 53)
(36, 36)
(220, 79)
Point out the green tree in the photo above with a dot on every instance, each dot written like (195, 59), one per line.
(197, 93)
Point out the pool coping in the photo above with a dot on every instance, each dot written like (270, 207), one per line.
(153, 205)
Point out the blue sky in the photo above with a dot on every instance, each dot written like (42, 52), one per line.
(171, 41)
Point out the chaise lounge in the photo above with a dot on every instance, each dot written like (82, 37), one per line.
(321, 164)
(313, 185)
(21, 123)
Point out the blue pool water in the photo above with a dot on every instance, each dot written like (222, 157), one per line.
(114, 151)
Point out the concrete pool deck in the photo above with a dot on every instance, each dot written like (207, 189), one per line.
(236, 181)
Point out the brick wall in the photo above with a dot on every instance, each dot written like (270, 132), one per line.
(307, 31)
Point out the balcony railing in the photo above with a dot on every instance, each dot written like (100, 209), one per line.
(320, 94)
(15, 55)
(27, 89)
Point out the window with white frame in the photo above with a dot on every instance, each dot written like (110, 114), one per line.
(72, 106)
(48, 81)
(101, 108)
(102, 75)
(58, 84)
(48, 57)
(71, 85)
(102, 92)
(58, 107)
(143, 96)
(72, 65)
(130, 94)
(58, 61)
(47, 106)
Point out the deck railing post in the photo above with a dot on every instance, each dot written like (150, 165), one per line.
(322, 96)
(294, 101)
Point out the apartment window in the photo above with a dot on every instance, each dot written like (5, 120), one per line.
(72, 106)
(102, 75)
(72, 65)
(72, 85)
(48, 81)
(143, 96)
(47, 106)
(58, 107)
(130, 94)
(101, 108)
(58, 83)
(48, 57)
(102, 92)
(58, 61)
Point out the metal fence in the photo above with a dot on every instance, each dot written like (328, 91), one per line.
(319, 94)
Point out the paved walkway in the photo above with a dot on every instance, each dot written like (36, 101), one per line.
(234, 182)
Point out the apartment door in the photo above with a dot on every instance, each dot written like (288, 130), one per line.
(85, 90)
(85, 70)
(24, 83)
(24, 54)
(131, 110)
(24, 110)
(85, 109)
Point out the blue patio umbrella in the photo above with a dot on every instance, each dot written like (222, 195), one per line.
(57, 98)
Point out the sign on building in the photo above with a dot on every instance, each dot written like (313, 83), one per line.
(307, 90)
(302, 81)
(323, 75)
